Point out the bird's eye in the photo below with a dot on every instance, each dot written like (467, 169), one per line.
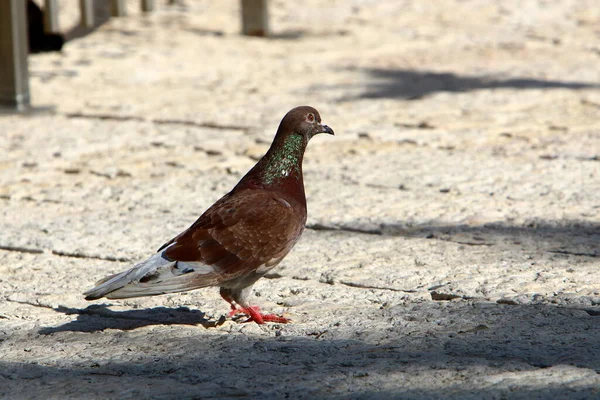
(310, 118)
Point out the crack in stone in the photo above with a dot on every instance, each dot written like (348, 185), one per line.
(345, 283)
(437, 296)
(574, 253)
(362, 286)
(378, 186)
(91, 257)
(329, 228)
(112, 117)
(19, 249)
(109, 117)
(381, 232)
(28, 303)
(211, 125)
(466, 243)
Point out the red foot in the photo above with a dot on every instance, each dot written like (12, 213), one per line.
(254, 314)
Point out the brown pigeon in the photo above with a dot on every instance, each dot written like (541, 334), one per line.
(238, 239)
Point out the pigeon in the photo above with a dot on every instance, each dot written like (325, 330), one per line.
(239, 238)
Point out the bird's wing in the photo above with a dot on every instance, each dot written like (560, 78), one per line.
(251, 230)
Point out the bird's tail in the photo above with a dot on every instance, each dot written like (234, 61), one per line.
(156, 275)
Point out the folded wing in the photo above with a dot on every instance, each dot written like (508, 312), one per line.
(240, 234)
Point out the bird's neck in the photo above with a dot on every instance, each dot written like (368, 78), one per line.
(283, 161)
(281, 167)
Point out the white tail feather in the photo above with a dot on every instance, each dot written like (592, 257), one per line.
(156, 275)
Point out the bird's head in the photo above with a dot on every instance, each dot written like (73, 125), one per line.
(283, 161)
(305, 121)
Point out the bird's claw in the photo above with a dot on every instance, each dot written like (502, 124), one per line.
(253, 314)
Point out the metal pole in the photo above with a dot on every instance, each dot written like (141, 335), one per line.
(14, 71)
(87, 13)
(119, 8)
(148, 5)
(255, 18)
(51, 16)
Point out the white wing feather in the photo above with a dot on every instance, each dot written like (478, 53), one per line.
(156, 275)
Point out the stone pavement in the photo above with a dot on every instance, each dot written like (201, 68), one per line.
(454, 220)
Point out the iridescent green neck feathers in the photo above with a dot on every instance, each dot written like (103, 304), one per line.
(284, 160)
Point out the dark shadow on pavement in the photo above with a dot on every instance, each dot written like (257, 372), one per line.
(412, 85)
(568, 237)
(490, 343)
(98, 317)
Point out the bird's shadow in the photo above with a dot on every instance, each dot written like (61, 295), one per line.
(99, 317)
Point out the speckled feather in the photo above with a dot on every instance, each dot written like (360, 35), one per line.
(241, 232)
(240, 237)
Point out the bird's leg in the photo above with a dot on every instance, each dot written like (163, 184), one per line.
(234, 308)
(253, 312)
(231, 302)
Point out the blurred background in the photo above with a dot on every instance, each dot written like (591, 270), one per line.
(460, 190)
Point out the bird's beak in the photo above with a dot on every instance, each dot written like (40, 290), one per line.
(326, 129)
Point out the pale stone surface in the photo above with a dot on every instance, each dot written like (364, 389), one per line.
(454, 219)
